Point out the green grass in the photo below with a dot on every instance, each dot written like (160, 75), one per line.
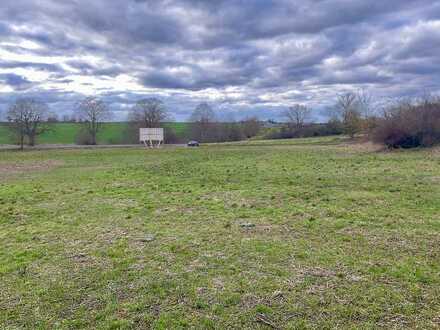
(64, 133)
(321, 141)
(343, 237)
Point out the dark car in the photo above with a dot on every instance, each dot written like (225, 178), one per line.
(193, 144)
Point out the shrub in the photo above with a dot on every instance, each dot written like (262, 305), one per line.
(410, 125)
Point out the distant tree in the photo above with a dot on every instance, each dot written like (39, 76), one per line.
(149, 113)
(227, 130)
(26, 117)
(349, 110)
(52, 118)
(297, 115)
(93, 112)
(251, 126)
(335, 126)
(365, 104)
(235, 132)
(368, 110)
(352, 123)
(203, 121)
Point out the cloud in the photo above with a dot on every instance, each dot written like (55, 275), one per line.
(244, 57)
(17, 82)
(31, 65)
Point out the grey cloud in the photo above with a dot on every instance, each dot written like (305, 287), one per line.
(34, 65)
(15, 81)
(190, 48)
(354, 77)
(194, 81)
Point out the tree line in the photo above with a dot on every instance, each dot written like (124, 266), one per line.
(406, 123)
(403, 123)
(28, 118)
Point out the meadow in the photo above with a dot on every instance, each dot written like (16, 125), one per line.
(65, 133)
(298, 234)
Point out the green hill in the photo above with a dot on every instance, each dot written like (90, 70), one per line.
(64, 133)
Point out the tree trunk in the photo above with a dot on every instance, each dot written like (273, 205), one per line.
(94, 130)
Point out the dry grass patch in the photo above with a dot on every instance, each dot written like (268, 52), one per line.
(29, 167)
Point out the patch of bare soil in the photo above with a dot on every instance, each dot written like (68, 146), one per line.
(16, 168)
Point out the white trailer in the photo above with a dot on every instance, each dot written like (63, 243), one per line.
(151, 137)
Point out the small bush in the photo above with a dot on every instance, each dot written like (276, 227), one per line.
(410, 126)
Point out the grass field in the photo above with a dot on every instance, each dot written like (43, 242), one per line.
(64, 133)
(312, 233)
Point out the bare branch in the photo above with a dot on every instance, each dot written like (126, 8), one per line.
(148, 113)
(26, 117)
(92, 112)
(297, 115)
(203, 119)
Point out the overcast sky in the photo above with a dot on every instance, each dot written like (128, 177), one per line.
(244, 57)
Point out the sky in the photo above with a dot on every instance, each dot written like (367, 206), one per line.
(243, 57)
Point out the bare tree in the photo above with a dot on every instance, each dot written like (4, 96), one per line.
(15, 116)
(251, 126)
(297, 115)
(368, 110)
(365, 103)
(204, 120)
(26, 117)
(149, 113)
(228, 129)
(347, 102)
(347, 106)
(92, 112)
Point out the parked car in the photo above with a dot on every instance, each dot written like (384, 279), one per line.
(193, 144)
